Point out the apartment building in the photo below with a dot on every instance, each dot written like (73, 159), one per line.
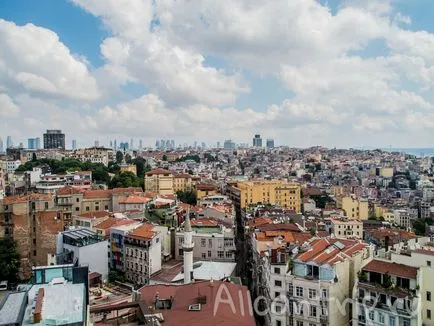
(212, 241)
(403, 217)
(346, 228)
(33, 222)
(274, 192)
(204, 190)
(182, 182)
(93, 155)
(316, 281)
(159, 181)
(50, 183)
(387, 293)
(117, 244)
(355, 207)
(423, 259)
(83, 247)
(143, 253)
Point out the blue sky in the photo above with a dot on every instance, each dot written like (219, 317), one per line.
(293, 88)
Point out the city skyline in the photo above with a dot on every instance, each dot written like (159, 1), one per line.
(362, 79)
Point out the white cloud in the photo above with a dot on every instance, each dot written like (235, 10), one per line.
(34, 59)
(7, 107)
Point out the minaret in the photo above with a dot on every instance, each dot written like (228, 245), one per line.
(188, 250)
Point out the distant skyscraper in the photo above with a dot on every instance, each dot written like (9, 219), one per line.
(270, 143)
(140, 144)
(111, 144)
(9, 142)
(54, 138)
(162, 143)
(157, 144)
(1, 145)
(257, 141)
(218, 144)
(21, 145)
(74, 144)
(96, 143)
(38, 143)
(172, 144)
(115, 146)
(31, 143)
(167, 143)
(131, 144)
(228, 144)
(203, 145)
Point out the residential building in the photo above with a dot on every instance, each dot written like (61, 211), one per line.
(54, 139)
(117, 244)
(387, 293)
(83, 247)
(356, 208)
(274, 192)
(143, 254)
(204, 190)
(133, 202)
(346, 228)
(11, 166)
(403, 217)
(89, 220)
(159, 181)
(93, 154)
(211, 241)
(50, 183)
(182, 182)
(423, 259)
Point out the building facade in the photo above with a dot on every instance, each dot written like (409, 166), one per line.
(159, 181)
(54, 139)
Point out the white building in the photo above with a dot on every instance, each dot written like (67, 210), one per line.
(11, 166)
(85, 247)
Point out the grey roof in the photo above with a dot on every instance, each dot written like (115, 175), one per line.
(12, 308)
(79, 233)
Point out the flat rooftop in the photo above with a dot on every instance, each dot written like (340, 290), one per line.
(63, 303)
(11, 306)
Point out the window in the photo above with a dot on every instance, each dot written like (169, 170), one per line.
(278, 308)
(278, 283)
(209, 254)
(312, 311)
(371, 315)
(428, 295)
(428, 313)
(324, 294)
(228, 255)
(406, 322)
(428, 262)
(210, 243)
(220, 254)
(77, 200)
(278, 322)
(276, 294)
(276, 270)
(46, 205)
(299, 291)
(299, 323)
(106, 207)
(77, 209)
(87, 208)
(34, 252)
(97, 208)
(203, 242)
(181, 252)
(392, 321)
(312, 293)
(381, 317)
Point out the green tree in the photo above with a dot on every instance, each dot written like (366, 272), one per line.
(9, 260)
(321, 200)
(125, 180)
(165, 158)
(34, 158)
(128, 158)
(119, 157)
(187, 197)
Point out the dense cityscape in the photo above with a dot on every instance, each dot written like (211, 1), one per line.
(149, 235)
(216, 162)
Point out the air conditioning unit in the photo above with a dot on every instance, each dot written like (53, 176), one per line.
(194, 307)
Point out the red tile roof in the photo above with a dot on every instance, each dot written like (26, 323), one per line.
(134, 199)
(284, 226)
(385, 267)
(113, 222)
(158, 171)
(68, 191)
(205, 187)
(216, 311)
(328, 251)
(258, 221)
(128, 190)
(203, 222)
(96, 214)
(92, 194)
(142, 232)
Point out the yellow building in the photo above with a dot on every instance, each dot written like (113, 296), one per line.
(128, 168)
(159, 181)
(355, 208)
(203, 190)
(182, 182)
(275, 192)
(386, 172)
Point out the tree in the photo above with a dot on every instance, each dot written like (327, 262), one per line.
(9, 260)
(187, 197)
(165, 158)
(34, 158)
(125, 180)
(321, 200)
(128, 158)
(119, 157)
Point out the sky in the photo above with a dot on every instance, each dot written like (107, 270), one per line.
(336, 73)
